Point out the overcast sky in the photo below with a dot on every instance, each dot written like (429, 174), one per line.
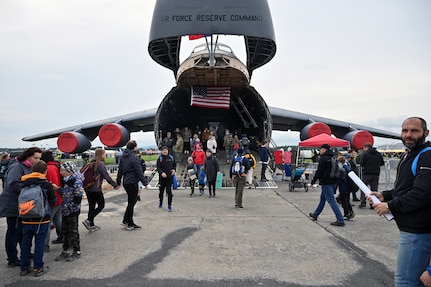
(64, 63)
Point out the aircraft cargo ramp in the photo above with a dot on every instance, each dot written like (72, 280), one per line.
(183, 182)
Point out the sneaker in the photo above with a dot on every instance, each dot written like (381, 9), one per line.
(123, 223)
(313, 217)
(160, 205)
(95, 228)
(58, 241)
(63, 256)
(351, 215)
(46, 248)
(73, 257)
(14, 263)
(338, 223)
(138, 198)
(39, 272)
(133, 227)
(362, 205)
(169, 208)
(26, 271)
(87, 224)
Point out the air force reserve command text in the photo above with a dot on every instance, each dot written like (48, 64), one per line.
(211, 18)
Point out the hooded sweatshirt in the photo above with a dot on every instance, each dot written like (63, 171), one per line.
(371, 161)
(130, 168)
(37, 178)
(410, 200)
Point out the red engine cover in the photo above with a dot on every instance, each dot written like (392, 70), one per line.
(358, 138)
(73, 142)
(114, 135)
(314, 129)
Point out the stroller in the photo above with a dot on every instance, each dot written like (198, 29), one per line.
(297, 180)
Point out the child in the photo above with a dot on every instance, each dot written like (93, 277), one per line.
(36, 227)
(211, 168)
(201, 179)
(70, 209)
(344, 190)
(191, 174)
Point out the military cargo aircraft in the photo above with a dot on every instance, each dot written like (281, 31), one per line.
(212, 84)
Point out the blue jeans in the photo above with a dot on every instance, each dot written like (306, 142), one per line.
(414, 253)
(39, 232)
(328, 195)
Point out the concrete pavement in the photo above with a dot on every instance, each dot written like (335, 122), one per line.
(207, 242)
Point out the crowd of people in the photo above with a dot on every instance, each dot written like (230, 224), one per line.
(409, 201)
(62, 186)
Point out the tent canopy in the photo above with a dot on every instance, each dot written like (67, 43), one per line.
(321, 139)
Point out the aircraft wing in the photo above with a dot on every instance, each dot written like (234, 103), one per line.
(284, 120)
(134, 122)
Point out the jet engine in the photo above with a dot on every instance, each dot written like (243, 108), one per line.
(73, 142)
(314, 129)
(358, 138)
(114, 135)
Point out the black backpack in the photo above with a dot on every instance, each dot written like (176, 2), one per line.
(337, 170)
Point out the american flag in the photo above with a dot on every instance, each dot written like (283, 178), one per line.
(198, 36)
(211, 97)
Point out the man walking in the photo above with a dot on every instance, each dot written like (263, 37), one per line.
(238, 172)
(371, 161)
(410, 204)
(328, 186)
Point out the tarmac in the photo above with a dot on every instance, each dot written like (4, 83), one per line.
(208, 242)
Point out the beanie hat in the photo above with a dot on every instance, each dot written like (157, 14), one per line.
(69, 166)
(189, 158)
(240, 151)
(325, 146)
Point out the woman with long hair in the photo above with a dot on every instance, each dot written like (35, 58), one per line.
(94, 193)
(18, 167)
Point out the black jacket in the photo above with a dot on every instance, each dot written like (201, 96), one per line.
(130, 168)
(324, 169)
(211, 168)
(410, 200)
(371, 161)
(165, 164)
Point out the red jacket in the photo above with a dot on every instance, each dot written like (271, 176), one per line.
(199, 157)
(53, 176)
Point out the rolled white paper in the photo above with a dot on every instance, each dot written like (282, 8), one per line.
(367, 191)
